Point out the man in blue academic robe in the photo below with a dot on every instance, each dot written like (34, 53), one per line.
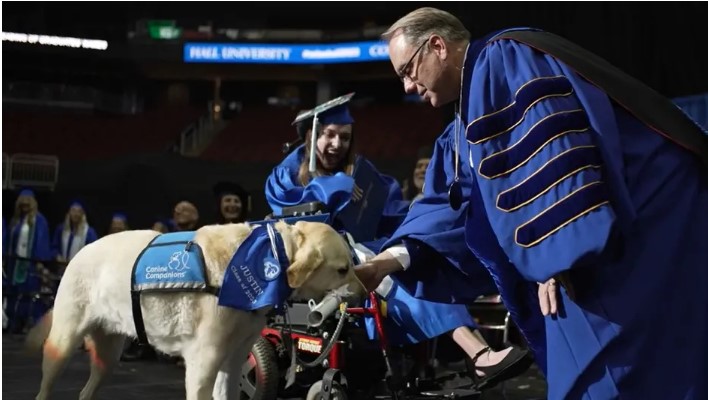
(583, 178)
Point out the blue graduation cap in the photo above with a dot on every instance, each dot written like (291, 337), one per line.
(335, 111)
(77, 203)
(26, 192)
(120, 216)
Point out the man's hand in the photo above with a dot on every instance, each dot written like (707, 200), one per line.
(368, 274)
(548, 297)
(548, 292)
(372, 273)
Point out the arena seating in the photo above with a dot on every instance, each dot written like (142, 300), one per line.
(383, 132)
(90, 136)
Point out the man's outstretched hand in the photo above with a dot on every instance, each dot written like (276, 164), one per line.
(372, 272)
(368, 274)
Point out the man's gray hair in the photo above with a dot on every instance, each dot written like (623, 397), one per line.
(418, 25)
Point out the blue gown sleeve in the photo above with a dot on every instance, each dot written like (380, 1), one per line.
(549, 186)
(442, 267)
(283, 189)
(41, 247)
(394, 211)
(56, 241)
(91, 235)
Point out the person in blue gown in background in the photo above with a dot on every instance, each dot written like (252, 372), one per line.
(410, 320)
(589, 184)
(72, 235)
(27, 252)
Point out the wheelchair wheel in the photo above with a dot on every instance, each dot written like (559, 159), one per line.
(259, 374)
(337, 392)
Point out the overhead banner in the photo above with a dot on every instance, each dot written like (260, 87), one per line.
(268, 53)
(62, 41)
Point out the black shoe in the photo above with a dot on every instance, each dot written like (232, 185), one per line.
(514, 364)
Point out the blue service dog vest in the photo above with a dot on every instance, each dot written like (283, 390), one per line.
(171, 262)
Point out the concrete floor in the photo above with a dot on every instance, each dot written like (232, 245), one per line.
(154, 380)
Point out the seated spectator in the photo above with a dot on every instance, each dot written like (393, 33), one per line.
(119, 223)
(233, 201)
(163, 225)
(415, 191)
(185, 216)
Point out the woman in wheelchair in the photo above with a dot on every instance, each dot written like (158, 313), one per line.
(409, 320)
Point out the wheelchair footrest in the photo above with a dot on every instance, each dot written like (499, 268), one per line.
(460, 394)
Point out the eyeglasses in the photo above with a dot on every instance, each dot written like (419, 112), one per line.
(404, 72)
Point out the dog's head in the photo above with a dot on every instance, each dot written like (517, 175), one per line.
(320, 260)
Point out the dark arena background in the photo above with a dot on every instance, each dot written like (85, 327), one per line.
(137, 113)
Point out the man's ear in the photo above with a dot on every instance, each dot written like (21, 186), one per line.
(301, 269)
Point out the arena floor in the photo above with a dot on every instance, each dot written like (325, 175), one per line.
(153, 380)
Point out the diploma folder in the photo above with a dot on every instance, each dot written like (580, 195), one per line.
(361, 218)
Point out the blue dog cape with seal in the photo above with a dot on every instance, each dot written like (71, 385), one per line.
(256, 276)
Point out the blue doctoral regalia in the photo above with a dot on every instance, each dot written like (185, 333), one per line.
(434, 233)
(572, 182)
(410, 319)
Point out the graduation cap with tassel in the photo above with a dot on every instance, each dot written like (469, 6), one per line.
(335, 111)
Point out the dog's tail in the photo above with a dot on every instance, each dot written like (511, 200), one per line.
(38, 334)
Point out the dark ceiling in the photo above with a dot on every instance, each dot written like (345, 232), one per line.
(662, 44)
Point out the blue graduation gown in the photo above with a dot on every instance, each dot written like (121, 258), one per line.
(27, 279)
(40, 251)
(57, 249)
(283, 189)
(409, 319)
(570, 181)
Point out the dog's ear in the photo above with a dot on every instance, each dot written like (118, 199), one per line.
(293, 238)
(309, 256)
(301, 269)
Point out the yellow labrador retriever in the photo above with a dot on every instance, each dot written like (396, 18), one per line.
(94, 300)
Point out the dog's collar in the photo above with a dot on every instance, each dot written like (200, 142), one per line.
(278, 247)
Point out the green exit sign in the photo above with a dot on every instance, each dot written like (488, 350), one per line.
(163, 30)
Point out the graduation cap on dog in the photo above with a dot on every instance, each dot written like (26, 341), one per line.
(335, 111)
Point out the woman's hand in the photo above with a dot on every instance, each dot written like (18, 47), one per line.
(357, 193)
